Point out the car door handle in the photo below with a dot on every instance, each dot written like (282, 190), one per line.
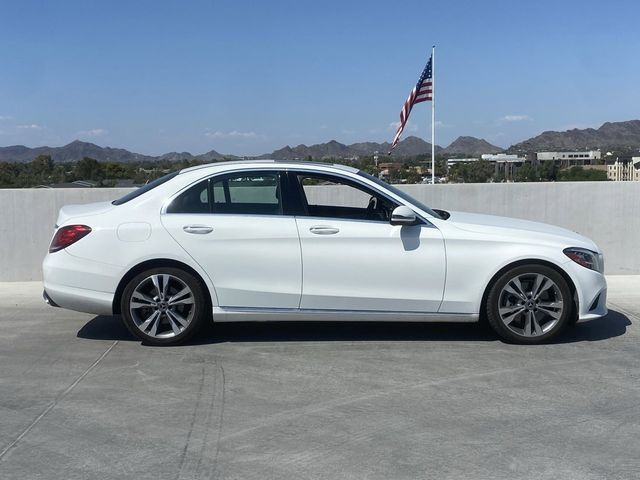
(324, 230)
(198, 229)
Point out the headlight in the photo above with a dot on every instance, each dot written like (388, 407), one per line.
(586, 258)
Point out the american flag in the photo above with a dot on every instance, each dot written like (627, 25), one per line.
(422, 92)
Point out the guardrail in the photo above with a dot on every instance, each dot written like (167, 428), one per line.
(607, 212)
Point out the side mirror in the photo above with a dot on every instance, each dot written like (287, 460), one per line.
(403, 215)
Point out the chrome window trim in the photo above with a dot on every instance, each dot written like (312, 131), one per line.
(267, 167)
(167, 202)
(369, 187)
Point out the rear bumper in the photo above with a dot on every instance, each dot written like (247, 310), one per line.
(79, 284)
(78, 299)
(48, 300)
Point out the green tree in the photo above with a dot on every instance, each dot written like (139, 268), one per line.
(39, 171)
(8, 174)
(480, 171)
(579, 174)
(42, 165)
(88, 169)
(411, 176)
(115, 170)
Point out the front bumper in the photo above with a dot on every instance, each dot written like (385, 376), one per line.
(596, 309)
(591, 289)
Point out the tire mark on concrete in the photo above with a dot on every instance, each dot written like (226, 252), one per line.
(214, 464)
(340, 402)
(207, 423)
(57, 400)
(200, 454)
(183, 455)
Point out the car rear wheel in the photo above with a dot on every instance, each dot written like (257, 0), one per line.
(529, 304)
(163, 306)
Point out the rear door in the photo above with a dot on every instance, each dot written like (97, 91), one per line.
(233, 226)
(354, 259)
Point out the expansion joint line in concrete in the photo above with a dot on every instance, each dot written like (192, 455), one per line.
(50, 407)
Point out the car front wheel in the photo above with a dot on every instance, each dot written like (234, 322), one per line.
(529, 304)
(163, 306)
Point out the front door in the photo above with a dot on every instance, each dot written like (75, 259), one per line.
(233, 227)
(354, 259)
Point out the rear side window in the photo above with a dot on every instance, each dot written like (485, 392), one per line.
(144, 189)
(194, 200)
(255, 193)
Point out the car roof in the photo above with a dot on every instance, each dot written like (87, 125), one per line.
(282, 163)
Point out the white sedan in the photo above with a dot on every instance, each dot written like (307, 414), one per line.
(265, 240)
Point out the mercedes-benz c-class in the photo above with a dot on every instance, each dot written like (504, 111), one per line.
(266, 240)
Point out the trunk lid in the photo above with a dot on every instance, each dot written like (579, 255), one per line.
(72, 211)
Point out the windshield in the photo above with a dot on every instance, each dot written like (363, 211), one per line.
(401, 194)
(145, 188)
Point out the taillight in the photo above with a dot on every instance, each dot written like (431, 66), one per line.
(68, 235)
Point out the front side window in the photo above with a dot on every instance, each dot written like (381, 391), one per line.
(256, 193)
(332, 197)
(401, 194)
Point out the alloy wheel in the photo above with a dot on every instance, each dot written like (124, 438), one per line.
(530, 304)
(162, 306)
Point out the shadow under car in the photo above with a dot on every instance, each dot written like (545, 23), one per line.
(102, 327)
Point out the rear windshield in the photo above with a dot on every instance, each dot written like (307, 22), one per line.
(145, 188)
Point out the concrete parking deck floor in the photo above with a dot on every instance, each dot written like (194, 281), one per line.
(79, 398)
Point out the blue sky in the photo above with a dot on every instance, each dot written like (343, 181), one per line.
(246, 77)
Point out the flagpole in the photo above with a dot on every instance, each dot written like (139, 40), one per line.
(433, 115)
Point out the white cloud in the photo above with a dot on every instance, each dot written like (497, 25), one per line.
(94, 132)
(4, 118)
(515, 118)
(233, 134)
(32, 126)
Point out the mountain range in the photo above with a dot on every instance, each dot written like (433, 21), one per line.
(609, 135)
(77, 150)
(410, 146)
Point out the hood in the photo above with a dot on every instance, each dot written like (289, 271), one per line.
(492, 224)
(71, 211)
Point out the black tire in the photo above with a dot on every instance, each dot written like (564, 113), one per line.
(528, 274)
(177, 279)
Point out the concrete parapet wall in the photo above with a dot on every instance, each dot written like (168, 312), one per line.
(607, 212)
(27, 219)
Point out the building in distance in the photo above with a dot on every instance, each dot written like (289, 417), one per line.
(503, 158)
(566, 159)
(623, 169)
